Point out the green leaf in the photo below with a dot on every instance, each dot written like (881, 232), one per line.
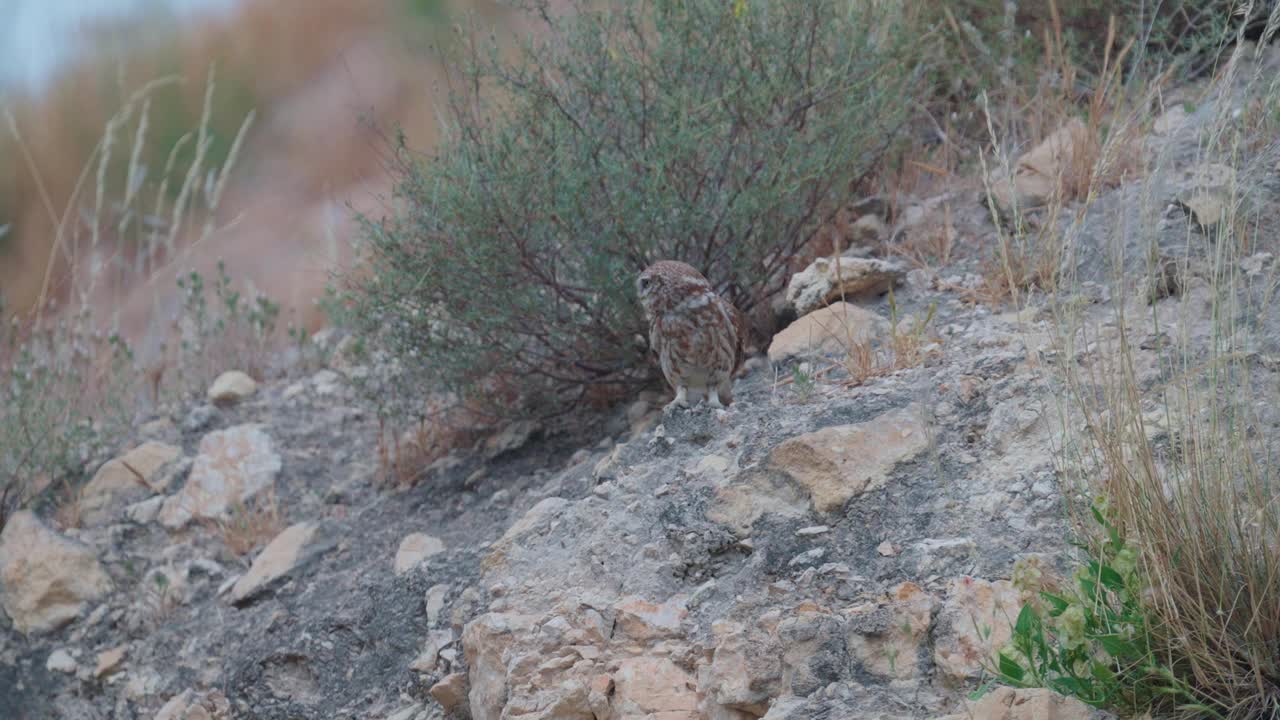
(1072, 687)
(1098, 516)
(1011, 669)
(1110, 578)
(1059, 604)
(1089, 588)
(1028, 622)
(1118, 647)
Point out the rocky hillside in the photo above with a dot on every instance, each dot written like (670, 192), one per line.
(850, 539)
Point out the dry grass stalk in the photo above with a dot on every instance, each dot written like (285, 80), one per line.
(250, 525)
(1184, 469)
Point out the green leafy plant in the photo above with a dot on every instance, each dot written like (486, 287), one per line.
(1093, 641)
(223, 327)
(64, 393)
(718, 134)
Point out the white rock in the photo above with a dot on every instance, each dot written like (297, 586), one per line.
(437, 640)
(45, 578)
(415, 549)
(833, 329)
(828, 280)
(176, 708)
(326, 382)
(232, 386)
(641, 620)
(233, 465)
(61, 661)
(451, 691)
(109, 661)
(1037, 175)
(974, 624)
(128, 478)
(145, 511)
(536, 519)
(1005, 703)
(837, 463)
(435, 602)
(276, 560)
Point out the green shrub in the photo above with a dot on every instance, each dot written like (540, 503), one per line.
(716, 133)
(65, 391)
(69, 392)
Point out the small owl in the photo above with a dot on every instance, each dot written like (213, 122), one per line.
(697, 335)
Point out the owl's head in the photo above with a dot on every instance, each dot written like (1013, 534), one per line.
(666, 283)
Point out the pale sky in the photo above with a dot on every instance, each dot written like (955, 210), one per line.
(37, 35)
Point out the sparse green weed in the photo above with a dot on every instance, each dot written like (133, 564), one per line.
(1093, 641)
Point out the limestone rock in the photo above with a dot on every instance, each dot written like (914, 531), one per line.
(1005, 703)
(231, 387)
(61, 661)
(451, 691)
(45, 578)
(752, 495)
(437, 640)
(1207, 192)
(232, 466)
(813, 648)
(1037, 175)
(887, 637)
(486, 642)
(326, 382)
(189, 705)
(651, 687)
(280, 557)
(415, 549)
(109, 661)
(640, 619)
(828, 280)
(745, 669)
(126, 479)
(832, 329)
(145, 511)
(837, 463)
(538, 517)
(406, 713)
(974, 624)
(176, 708)
(436, 595)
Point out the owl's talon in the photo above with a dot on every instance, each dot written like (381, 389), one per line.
(681, 400)
(713, 400)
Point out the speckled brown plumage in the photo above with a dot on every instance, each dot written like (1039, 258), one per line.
(696, 334)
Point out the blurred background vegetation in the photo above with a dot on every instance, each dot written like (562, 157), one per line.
(320, 79)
